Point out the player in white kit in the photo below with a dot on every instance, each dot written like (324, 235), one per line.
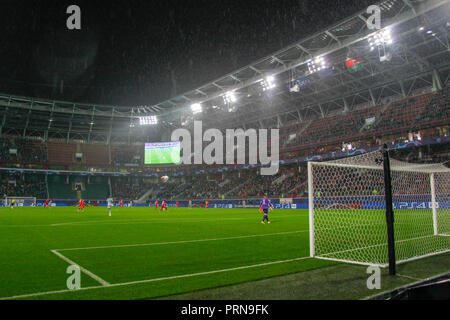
(109, 203)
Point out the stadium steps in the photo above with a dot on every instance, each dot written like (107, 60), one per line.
(145, 195)
(280, 179)
(378, 117)
(308, 124)
(224, 183)
(298, 186)
(235, 188)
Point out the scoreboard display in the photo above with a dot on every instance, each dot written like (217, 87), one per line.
(162, 152)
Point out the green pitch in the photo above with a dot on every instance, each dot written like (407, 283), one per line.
(143, 253)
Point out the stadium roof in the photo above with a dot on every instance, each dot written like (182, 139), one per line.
(418, 57)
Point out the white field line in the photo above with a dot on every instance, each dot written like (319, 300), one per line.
(372, 246)
(86, 271)
(156, 279)
(181, 241)
(409, 277)
(135, 221)
(122, 221)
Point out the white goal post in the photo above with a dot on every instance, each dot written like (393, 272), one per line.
(19, 201)
(347, 210)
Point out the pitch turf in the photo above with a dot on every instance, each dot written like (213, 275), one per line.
(143, 253)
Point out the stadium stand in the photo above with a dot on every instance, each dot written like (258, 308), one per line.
(404, 119)
(23, 185)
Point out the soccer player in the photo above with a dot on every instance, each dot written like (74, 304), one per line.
(109, 204)
(265, 204)
(46, 203)
(156, 204)
(206, 204)
(177, 204)
(163, 206)
(121, 203)
(81, 205)
(13, 202)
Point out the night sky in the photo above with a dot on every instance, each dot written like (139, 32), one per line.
(143, 52)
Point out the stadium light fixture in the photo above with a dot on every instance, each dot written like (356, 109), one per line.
(380, 38)
(196, 108)
(148, 120)
(232, 108)
(316, 64)
(229, 97)
(268, 83)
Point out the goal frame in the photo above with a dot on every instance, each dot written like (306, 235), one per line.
(7, 200)
(390, 242)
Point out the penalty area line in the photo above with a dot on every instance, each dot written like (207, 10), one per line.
(157, 279)
(84, 270)
(135, 221)
(183, 241)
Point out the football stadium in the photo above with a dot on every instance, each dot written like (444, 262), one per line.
(319, 171)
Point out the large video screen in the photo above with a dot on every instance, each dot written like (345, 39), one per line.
(162, 152)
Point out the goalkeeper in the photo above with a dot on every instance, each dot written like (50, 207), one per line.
(264, 205)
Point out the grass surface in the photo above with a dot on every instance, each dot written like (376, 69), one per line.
(143, 253)
(338, 282)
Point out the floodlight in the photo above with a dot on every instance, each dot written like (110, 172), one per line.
(268, 83)
(196, 108)
(148, 120)
(229, 97)
(316, 64)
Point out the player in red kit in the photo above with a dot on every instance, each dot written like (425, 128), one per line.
(46, 203)
(176, 204)
(81, 205)
(163, 206)
(206, 204)
(121, 203)
(156, 204)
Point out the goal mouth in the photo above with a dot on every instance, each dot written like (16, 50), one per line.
(349, 204)
(19, 201)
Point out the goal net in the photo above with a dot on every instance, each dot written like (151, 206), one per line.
(19, 201)
(347, 210)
